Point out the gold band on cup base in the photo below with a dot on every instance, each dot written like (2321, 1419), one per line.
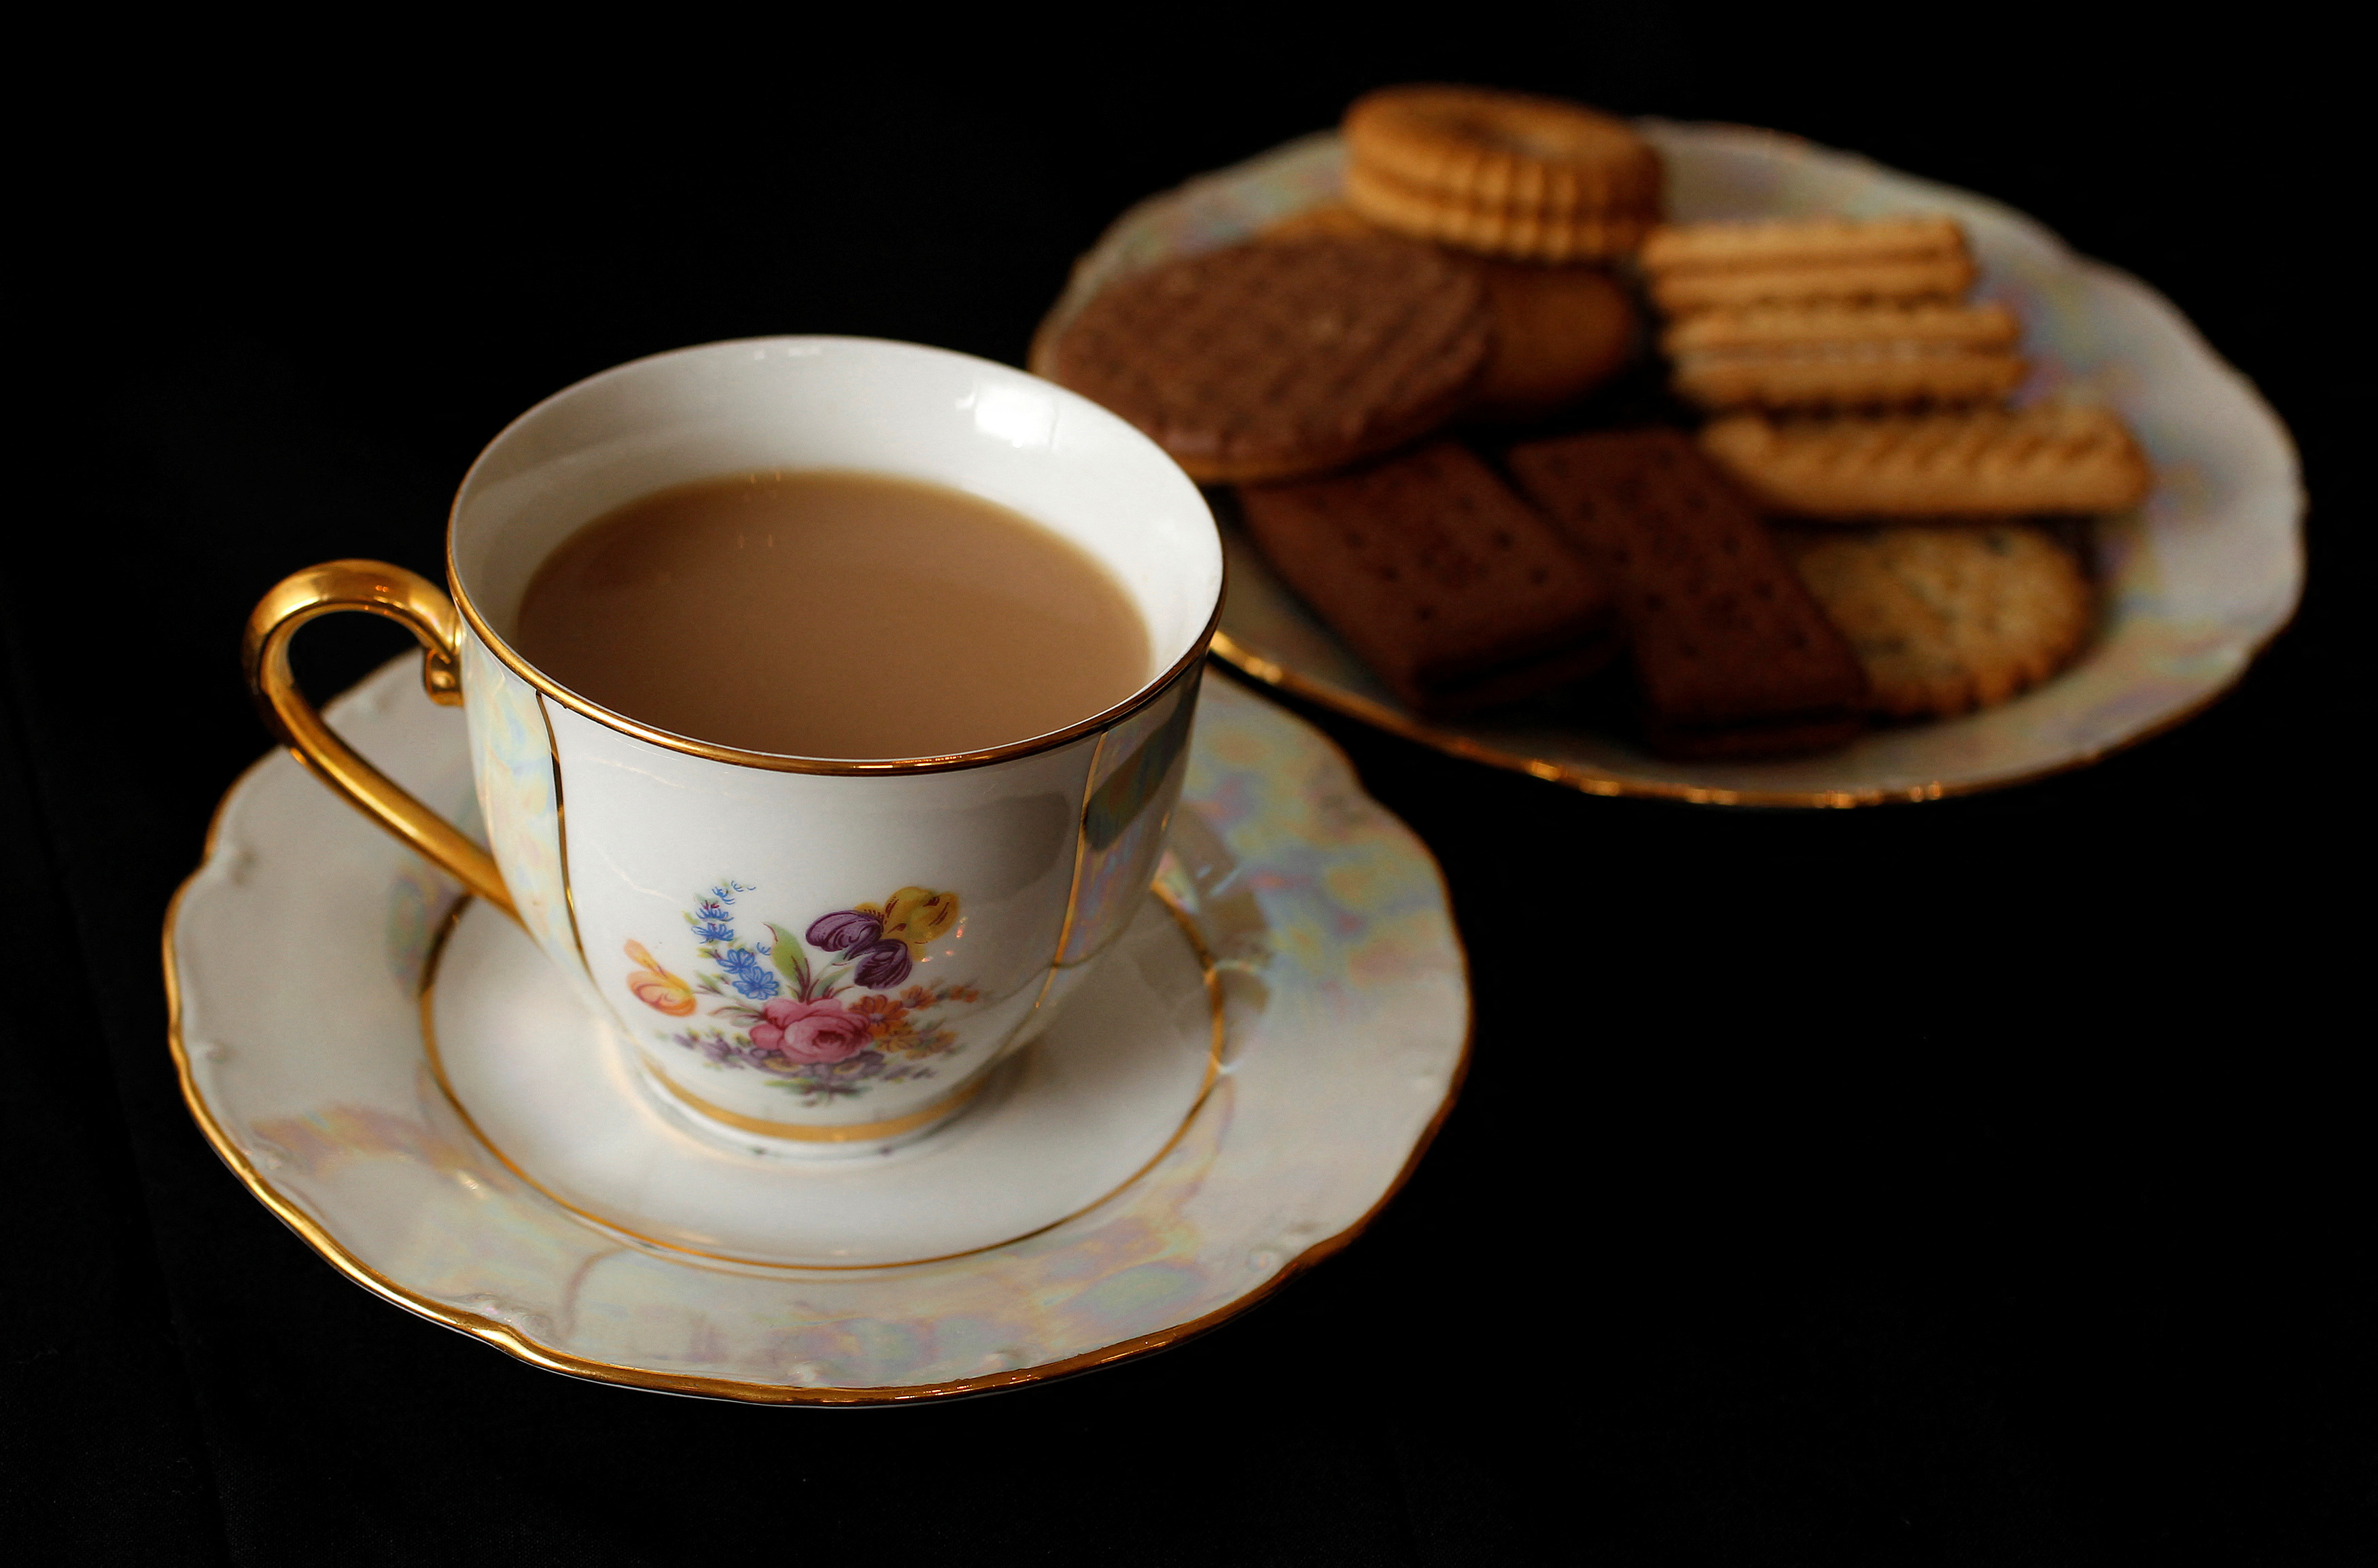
(838, 1132)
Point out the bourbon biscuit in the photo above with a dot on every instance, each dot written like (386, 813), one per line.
(1943, 277)
(1814, 323)
(1804, 242)
(1732, 655)
(1474, 147)
(1559, 332)
(1267, 361)
(1520, 234)
(1447, 585)
(1871, 374)
(1948, 618)
(1978, 463)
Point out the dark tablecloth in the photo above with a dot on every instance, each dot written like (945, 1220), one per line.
(1983, 1182)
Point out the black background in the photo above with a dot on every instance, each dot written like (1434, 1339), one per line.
(1983, 1182)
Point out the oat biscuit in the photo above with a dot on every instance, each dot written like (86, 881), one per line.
(1488, 149)
(1731, 654)
(1948, 618)
(1984, 461)
(1447, 585)
(1269, 361)
(1559, 332)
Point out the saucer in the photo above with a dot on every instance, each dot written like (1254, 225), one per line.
(393, 1071)
(2194, 583)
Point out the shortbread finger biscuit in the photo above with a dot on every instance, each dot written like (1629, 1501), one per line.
(1559, 332)
(1732, 655)
(1984, 461)
(1445, 582)
(1271, 361)
(1474, 147)
(1944, 277)
(1767, 246)
(1522, 234)
(1812, 324)
(1850, 375)
(1949, 618)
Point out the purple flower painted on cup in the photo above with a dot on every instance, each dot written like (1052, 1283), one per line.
(844, 930)
(883, 965)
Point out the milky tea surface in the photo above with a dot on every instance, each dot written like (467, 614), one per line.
(828, 614)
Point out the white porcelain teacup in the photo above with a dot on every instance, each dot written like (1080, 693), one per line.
(830, 953)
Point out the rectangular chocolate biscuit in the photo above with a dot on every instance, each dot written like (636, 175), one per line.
(1447, 585)
(1731, 653)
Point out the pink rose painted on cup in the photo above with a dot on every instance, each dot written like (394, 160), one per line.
(825, 1030)
(810, 1031)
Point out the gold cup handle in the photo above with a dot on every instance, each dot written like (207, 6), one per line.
(418, 604)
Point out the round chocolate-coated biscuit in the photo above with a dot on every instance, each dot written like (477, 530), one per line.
(1269, 361)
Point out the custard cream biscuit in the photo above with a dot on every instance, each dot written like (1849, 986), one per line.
(1851, 375)
(1944, 277)
(1524, 234)
(1785, 327)
(1513, 151)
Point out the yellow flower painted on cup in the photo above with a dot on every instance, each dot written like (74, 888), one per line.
(918, 915)
(656, 987)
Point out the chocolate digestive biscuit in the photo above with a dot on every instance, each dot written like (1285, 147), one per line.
(1442, 581)
(1732, 655)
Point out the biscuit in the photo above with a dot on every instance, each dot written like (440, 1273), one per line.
(1438, 577)
(1807, 324)
(1939, 278)
(1948, 618)
(1979, 463)
(1559, 332)
(1798, 242)
(1871, 374)
(1522, 234)
(1838, 355)
(1267, 361)
(1731, 654)
(1475, 148)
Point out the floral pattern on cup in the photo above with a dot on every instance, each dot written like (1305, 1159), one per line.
(822, 1029)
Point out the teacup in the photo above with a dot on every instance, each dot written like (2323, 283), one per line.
(831, 954)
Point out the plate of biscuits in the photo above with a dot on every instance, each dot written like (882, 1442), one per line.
(1688, 461)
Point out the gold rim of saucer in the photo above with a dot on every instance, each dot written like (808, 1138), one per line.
(513, 1342)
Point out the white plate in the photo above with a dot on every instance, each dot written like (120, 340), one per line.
(1315, 932)
(2196, 581)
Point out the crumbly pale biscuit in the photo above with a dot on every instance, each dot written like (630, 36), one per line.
(1503, 151)
(1943, 277)
(1983, 462)
(1444, 582)
(1269, 361)
(1948, 618)
(1760, 247)
(1525, 233)
(1731, 654)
